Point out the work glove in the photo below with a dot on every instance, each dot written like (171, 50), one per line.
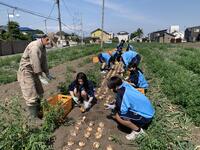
(75, 99)
(50, 77)
(43, 80)
(86, 104)
(110, 106)
(103, 71)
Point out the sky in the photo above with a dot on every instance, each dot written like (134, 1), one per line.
(120, 15)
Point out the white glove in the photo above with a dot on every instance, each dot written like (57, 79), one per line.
(86, 104)
(103, 71)
(43, 80)
(110, 106)
(75, 99)
(50, 77)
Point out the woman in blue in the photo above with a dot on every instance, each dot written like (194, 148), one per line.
(106, 61)
(130, 47)
(137, 78)
(82, 89)
(133, 109)
(117, 54)
(130, 57)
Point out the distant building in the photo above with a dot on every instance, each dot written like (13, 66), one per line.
(167, 38)
(155, 36)
(97, 34)
(174, 28)
(192, 34)
(123, 35)
(162, 36)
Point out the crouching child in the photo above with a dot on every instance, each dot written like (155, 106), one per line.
(133, 109)
(82, 91)
(106, 60)
(137, 78)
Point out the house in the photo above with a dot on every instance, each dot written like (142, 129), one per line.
(154, 36)
(162, 36)
(166, 38)
(123, 35)
(192, 34)
(97, 34)
(174, 28)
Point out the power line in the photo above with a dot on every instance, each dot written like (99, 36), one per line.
(28, 11)
(52, 9)
(67, 8)
(45, 21)
(38, 14)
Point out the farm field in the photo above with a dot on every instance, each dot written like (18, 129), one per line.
(173, 72)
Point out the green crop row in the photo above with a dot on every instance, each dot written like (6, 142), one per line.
(178, 83)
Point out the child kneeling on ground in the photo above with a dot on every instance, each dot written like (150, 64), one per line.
(82, 90)
(137, 78)
(106, 60)
(133, 109)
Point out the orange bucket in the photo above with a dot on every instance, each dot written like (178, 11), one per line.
(65, 100)
(141, 90)
(95, 59)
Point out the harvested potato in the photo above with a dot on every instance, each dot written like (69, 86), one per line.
(96, 145)
(110, 138)
(109, 147)
(91, 123)
(98, 135)
(82, 109)
(99, 129)
(73, 133)
(87, 135)
(66, 148)
(81, 144)
(83, 119)
(89, 129)
(70, 143)
(101, 124)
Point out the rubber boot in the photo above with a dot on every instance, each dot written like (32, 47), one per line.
(33, 116)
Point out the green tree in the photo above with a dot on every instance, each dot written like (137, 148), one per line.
(38, 31)
(13, 30)
(138, 33)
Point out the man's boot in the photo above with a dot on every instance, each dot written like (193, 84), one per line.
(33, 116)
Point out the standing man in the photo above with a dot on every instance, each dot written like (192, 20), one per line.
(30, 74)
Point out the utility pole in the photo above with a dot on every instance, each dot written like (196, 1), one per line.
(59, 18)
(45, 23)
(102, 23)
(81, 30)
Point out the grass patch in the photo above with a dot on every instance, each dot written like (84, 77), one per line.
(170, 127)
(179, 84)
(16, 132)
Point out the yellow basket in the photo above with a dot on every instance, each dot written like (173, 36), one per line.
(95, 59)
(66, 102)
(141, 90)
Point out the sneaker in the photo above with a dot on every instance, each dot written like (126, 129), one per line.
(103, 71)
(133, 135)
